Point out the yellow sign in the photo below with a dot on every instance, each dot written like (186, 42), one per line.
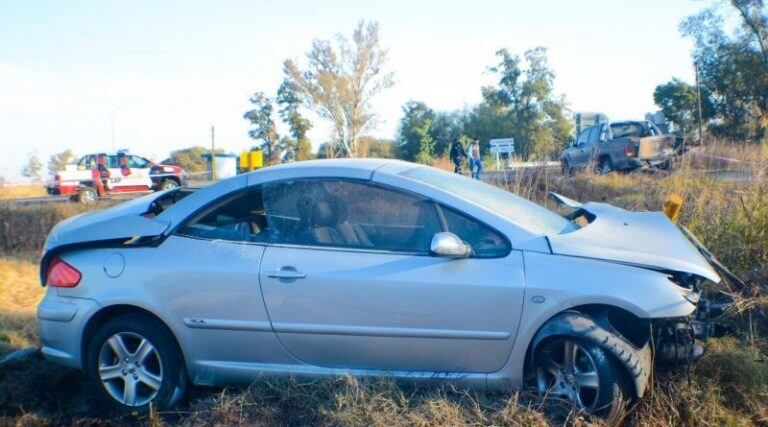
(251, 160)
(673, 206)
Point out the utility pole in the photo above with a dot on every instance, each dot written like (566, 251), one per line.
(698, 103)
(213, 155)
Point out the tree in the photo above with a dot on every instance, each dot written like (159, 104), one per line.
(33, 169)
(378, 148)
(679, 103)
(733, 68)
(413, 129)
(341, 81)
(523, 106)
(190, 158)
(59, 161)
(289, 103)
(264, 128)
(446, 128)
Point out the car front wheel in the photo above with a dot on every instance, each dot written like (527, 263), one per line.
(168, 184)
(582, 373)
(134, 362)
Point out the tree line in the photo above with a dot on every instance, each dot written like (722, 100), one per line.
(732, 69)
(341, 79)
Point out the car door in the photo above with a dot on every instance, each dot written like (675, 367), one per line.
(206, 279)
(580, 155)
(115, 182)
(139, 167)
(348, 282)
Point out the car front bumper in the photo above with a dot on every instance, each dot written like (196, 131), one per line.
(61, 323)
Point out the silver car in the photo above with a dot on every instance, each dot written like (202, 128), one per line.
(369, 267)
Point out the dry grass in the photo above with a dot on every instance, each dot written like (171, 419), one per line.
(24, 228)
(21, 191)
(20, 291)
(729, 386)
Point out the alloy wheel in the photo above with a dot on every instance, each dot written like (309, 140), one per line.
(130, 368)
(566, 369)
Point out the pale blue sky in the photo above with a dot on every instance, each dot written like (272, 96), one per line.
(183, 66)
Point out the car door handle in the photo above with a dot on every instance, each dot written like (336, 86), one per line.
(286, 274)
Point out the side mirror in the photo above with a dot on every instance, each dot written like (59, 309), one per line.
(448, 245)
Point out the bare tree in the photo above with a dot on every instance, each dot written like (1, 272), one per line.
(340, 81)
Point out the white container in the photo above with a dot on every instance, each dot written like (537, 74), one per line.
(226, 165)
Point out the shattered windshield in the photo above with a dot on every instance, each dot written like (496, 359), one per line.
(520, 211)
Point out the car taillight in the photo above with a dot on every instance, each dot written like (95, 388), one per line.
(630, 150)
(62, 275)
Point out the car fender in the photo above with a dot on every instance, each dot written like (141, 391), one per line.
(637, 361)
(555, 284)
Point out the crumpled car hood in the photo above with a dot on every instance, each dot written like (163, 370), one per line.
(123, 221)
(645, 239)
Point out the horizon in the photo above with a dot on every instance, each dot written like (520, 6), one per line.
(167, 72)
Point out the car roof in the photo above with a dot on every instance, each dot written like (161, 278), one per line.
(364, 164)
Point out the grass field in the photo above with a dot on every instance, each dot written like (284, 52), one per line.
(21, 191)
(729, 386)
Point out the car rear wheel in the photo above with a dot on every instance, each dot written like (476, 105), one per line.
(134, 362)
(168, 184)
(582, 373)
(87, 195)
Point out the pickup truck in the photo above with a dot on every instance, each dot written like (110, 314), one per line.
(104, 174)
(621, 146)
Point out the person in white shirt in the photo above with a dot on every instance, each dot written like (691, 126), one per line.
(475, 160)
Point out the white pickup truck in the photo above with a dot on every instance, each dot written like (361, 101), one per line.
(103, 174)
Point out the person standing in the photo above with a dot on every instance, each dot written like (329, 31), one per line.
(457, 155)
(475, 162)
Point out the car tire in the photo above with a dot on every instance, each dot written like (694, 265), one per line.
(168, 184)
(604, 166)
(565, 168)
(87, 195)
(595, 382)
(133, 362)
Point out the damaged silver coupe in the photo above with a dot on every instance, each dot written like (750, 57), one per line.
(369, 267)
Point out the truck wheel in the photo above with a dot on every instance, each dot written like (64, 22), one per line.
(584, 374)
(167, 184)
(565, 168)
(87, 195)
(134, 361)
(604, 166)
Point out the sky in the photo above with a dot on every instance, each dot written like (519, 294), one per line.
(158, 74)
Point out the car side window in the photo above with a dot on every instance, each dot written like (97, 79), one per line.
(593, 135)
(485, 242)
(583, 137)
(113, 162)
(238, 219)
(137, 162)
(350, 214)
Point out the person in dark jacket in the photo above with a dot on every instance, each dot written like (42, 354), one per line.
(457, 155)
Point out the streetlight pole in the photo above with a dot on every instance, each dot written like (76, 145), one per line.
(112, 120)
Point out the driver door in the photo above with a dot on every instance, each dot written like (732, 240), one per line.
(348, 281)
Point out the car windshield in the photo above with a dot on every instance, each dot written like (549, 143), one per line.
(520, 211)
